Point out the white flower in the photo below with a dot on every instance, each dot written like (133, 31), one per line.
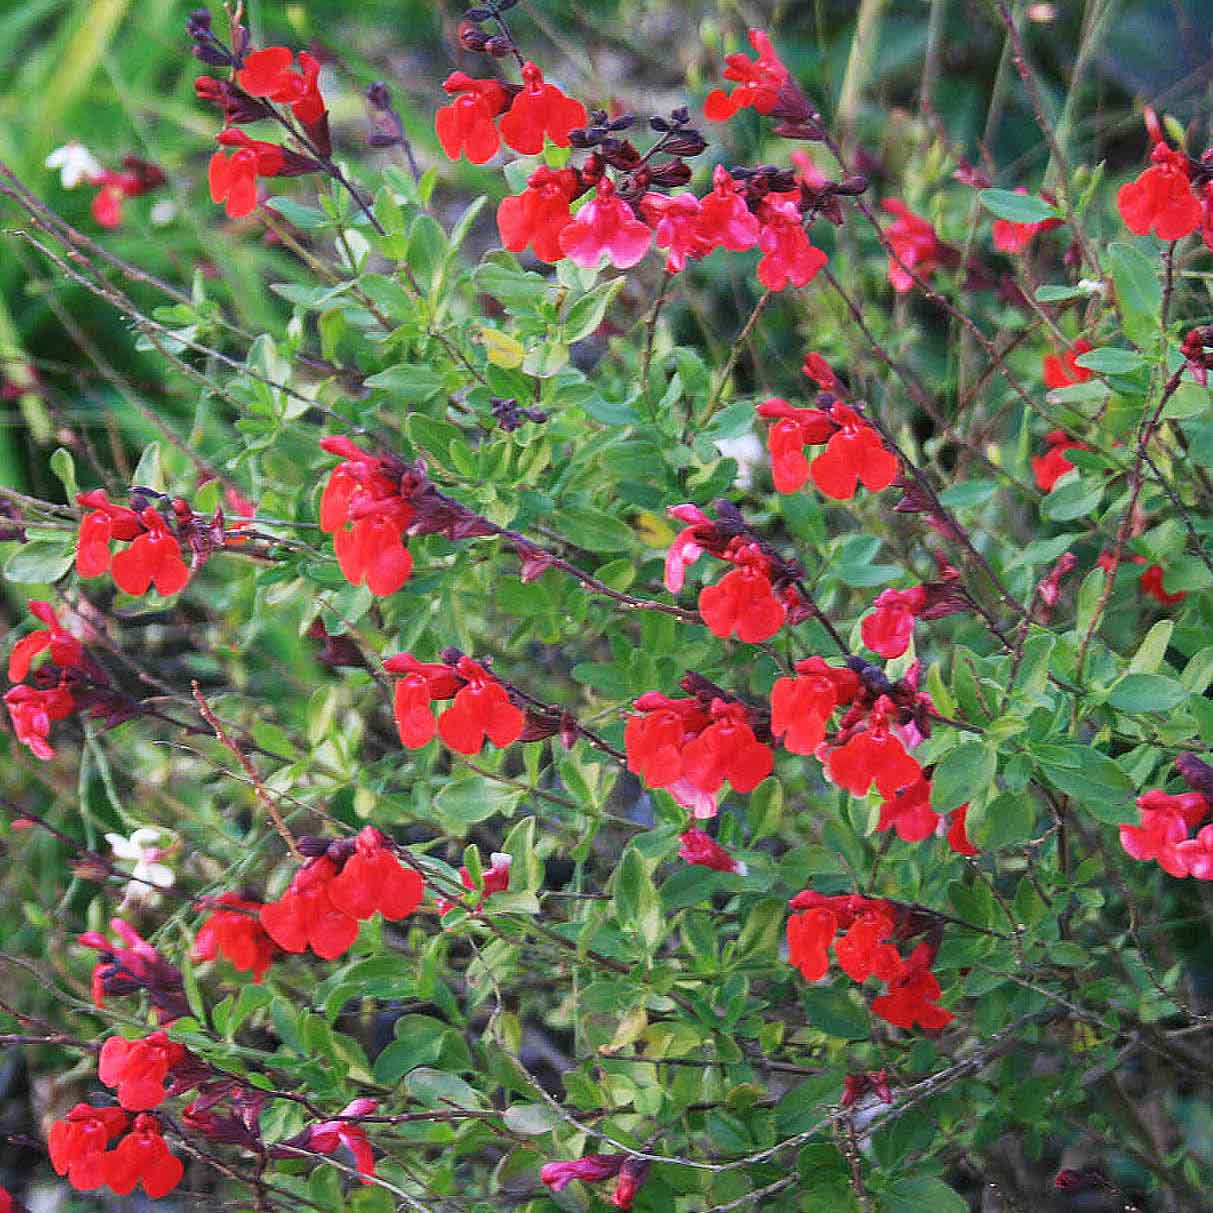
(75, 164)
(146, 846)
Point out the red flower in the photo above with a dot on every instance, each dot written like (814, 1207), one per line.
(605, 226)
(873, 755)
(654, 738)
(154, 557)
(742, 601)
(632, 1175)
(65, 649)
(862, 952)
(137, 1068)
(820, 372)
(540, 109)
(466, 125)
(958, 838)
(811, 932)
(1161, 199)
(677, 226)
(238, 936)
(590, 1169)
(1165, 822)
(1062, 370)
(33, 712)
(104, 523)
(1049, 468)
(801, 706)
(909, 812)
(809, 938)
(794, 429)
(364, 492)
(724, 220)
(267, 73)
(234, 181)
(916, 246)
(142, 1157)
(727, 749)
(760, 82)
(1197, 854)
(329, 1136)
(539, 214)
(77, 1144)
(911, 995)
(134, 965)
(495, 879)
(306, 917)
(1151, 583)
(700, 848)
(1012, 237)
(788, 257)
(116, 187)
(373, 879)
(855, 454)
(890, 627)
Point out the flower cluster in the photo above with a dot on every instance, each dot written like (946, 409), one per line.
(233, 930)
(79, 1150)
(871, 927)
(757, 596)
(342, 883)
(480, 710)
(262, 80)
(854, 452)
(1167, 820)
(691, 746)
(135, 965)
(76, 164)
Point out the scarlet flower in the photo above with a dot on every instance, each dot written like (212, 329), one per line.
(1197, 854)
(794, 429)
(65, 650)
(137, 1068)
(154, 557)
(234, 181)
(364, 493)
(494, 879)
(466, 125)
(1165, 822)
(890, 627)
(1049, 468)
(677, 226)
(727, 749)
(958, 838)
(873, 755)
(34, 711)
(138, 178)
(306, 917)
(632, 1174)
(1062, 370)
(855, 454)
(742, 602)
(540, 109)
(237, 936)
(809, 938)
(77, 1144)
(589, 1169)
(724, 219)
(801, 706)
(820, 372)
(1161, 199)
(329, 1136)
(912, 993)
(539, 214)
(267, 73)
(700, 848)
(862, 952)
(141, 1157)
(916, 246)
(1010, 237)
(605, 226)
(788, 257)
(1151, 583)
(654, 738)
(909, 812)
(760, 82)
(811, 932)
(104, 523)
(373, 879)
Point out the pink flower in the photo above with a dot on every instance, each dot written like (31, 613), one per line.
(724, 220)
(1197, 854)
(676, 226)
(605, 225)
(700, 848)
(915, 243)
(788, 257)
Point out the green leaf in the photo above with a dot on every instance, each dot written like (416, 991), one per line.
(1111, 361)
(1057, 293)
(410, 382)
(147, 471)
(1147, 693)
(306, 218)
(636, 902)
(1018, 208)
(836, 1011)
(64, 466)
(39, 562)
(472, 798)
(531, 1119)
(594, 530)
(1074, 497)
(1138, 291)
(962, 773)
(519, 291)
(926, 1192)
(432, 436)
(1097, 782)
(586, 314)
(1153, 649)
(765, 809)
(1002, 822)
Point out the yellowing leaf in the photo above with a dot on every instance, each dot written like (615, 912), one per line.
(653, 530)
(502, 349)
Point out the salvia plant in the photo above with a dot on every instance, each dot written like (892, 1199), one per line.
(500, 748)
